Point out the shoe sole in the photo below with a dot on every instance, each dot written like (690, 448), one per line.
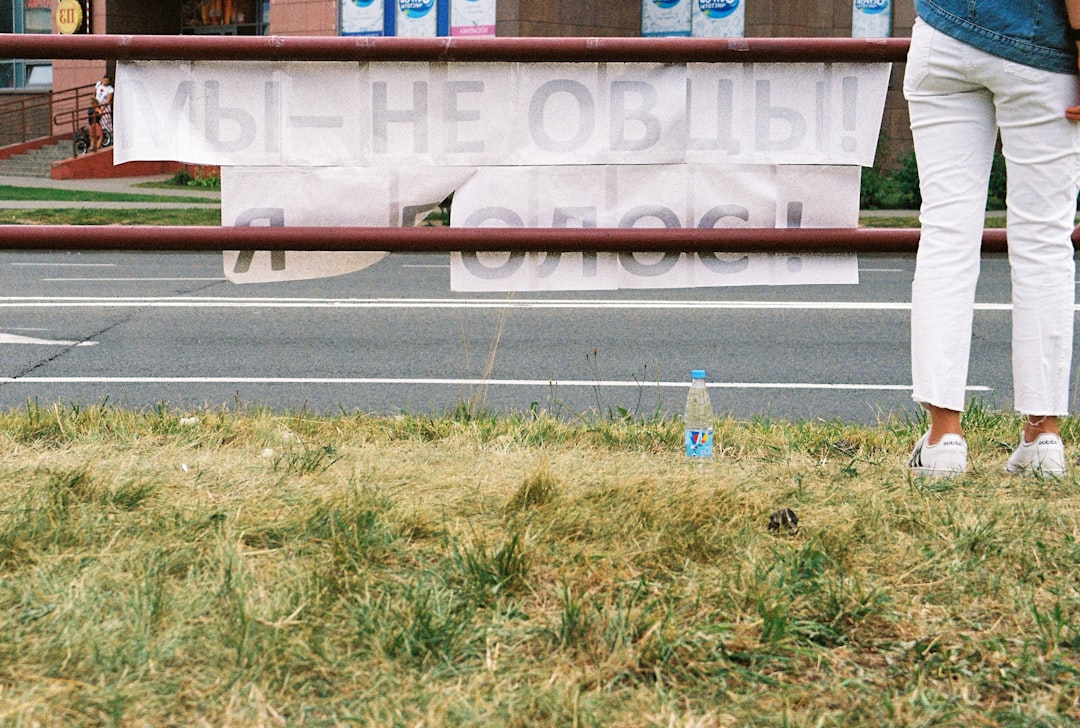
(925, 471)
(935, 473)
(1035, 470)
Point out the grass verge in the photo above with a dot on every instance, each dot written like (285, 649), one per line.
(32, 194)
(912, 221)
(251, 568)
(99, 216)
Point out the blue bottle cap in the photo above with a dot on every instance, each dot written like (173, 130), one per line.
(697, 374)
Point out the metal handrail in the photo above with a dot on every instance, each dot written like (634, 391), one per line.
(466, 240)
(69, 107)
(20, 109)
(54, 105)
(530, 50)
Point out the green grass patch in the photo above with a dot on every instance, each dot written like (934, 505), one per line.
(889, 221)
(34, 194)
(912, 221)
(99, 216)
(257, 568)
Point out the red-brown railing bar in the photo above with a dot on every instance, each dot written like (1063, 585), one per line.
(333, 48)
(444, 239)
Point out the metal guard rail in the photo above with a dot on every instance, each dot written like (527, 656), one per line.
(435, 239)
(528, 50)
(443, 239)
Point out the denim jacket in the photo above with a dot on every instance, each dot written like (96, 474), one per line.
(1031, 32)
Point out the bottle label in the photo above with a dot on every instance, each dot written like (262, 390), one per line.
(699, 442)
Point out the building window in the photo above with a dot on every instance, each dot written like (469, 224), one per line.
(25, 16)
(224, 17)
(38, 17)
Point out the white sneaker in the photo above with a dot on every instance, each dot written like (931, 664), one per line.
(947, 457)
(1045, 456)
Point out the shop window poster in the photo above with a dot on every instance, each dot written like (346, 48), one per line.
(474, 18)
(416, 19)
(665, 17)
(718, 18)
(871, 18)
(363, 17)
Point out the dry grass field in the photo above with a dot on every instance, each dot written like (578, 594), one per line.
(249, 568)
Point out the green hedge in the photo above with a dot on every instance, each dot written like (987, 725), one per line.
(897, 187)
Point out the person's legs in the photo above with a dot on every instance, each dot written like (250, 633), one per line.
(1042, 153)
(954, 131)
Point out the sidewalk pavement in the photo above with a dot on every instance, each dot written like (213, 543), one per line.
(119, 185)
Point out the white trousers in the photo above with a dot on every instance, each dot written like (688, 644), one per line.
(959, 99)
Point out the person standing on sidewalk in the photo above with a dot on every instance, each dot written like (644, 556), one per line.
(103, 94)
(93, 124)
(103, 90)
(974, 70)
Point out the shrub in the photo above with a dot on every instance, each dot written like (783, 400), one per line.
(909, 196)
(203, 177)
(898, 188)
(876, 190)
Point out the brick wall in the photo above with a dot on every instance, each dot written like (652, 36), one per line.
(569, 18)
(303, 17)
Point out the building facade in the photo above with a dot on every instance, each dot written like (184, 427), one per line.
(514, 18)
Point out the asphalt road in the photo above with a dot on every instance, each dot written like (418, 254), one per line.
(141, 329)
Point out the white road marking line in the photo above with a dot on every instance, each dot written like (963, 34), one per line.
(16, 339)
(448, 381)
(115, 280)
(407, 303)
(64, 265)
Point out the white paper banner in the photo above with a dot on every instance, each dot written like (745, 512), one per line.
(787, 114)
(267, 115)
(617, 196)
(324, 196)
(581, 113)
(401, 114)
(674, 196)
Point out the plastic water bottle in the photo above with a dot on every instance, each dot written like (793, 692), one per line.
(698, 419)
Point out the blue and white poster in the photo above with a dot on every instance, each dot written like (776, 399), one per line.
(472, 18)
(416, 19)
(362, 17)
(871, 18)
(665, 17)
(718, 19)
